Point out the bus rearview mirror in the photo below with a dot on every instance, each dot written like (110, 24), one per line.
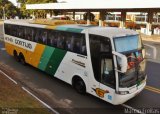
(151, 53)
(122, 61)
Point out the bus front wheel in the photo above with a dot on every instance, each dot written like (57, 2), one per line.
(79, 85)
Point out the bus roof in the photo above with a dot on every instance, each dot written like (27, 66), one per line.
(110, 32)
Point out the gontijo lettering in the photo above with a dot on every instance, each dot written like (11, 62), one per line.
(22, 43)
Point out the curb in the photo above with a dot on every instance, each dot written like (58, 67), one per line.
(151, 41)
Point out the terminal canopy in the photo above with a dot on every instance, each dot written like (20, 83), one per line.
(80, 5)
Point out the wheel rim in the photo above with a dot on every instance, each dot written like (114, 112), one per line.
(23, 61)
(16, 58)
(80, 87)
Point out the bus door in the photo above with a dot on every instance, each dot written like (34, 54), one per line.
(103, 67)
(107, 77)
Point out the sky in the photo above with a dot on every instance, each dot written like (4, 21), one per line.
(13, 1)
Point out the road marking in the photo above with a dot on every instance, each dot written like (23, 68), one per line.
(8, 77)
(40, 101)
(152, 89)
(30, 93)
(133, 109)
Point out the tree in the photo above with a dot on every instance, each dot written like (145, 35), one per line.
(10, 10)
(91, 16)
(37, 13)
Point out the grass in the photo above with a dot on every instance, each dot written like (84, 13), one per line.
(12, 97)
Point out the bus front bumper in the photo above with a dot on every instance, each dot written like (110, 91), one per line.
(120, 99)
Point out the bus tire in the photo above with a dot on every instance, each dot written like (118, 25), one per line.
(79, 85)
(16, 57)
(22, 59)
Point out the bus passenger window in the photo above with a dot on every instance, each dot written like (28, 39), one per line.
(38, 36)
(68, 45)
(14, 28)
(59, 41)
(78, 43)
(83, 48)
(63, 42)
(50, 40)
(76, 47)
(44, 37)
(21, 32)
(33, 33)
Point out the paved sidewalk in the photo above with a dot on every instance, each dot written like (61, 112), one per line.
(153, 38)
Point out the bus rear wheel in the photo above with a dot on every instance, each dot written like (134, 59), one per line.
(16, 57)
(79, 85)
(22, 59)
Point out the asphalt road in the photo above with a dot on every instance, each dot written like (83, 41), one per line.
(63, 97)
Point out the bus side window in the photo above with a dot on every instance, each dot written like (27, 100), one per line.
(21, 32)
(35, 39)
(25, 33)
(79, 45)
(52, 38)
(7, 28)
(83, 47)
(60, 38)
(28, 33)
(33, 33)
(38, 36)
(69, 40)
(14, 27)
(44, 37)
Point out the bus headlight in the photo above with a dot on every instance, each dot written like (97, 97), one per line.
(122, 92)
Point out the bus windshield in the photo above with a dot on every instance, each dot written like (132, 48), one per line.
(127, 43)
(131, 47)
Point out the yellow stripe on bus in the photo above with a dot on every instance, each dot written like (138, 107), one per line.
(50, 27)
(37, 55)
(32, 58)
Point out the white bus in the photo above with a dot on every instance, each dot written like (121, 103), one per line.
(103, 61)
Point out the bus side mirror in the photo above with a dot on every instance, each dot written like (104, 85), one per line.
(152, 50)
(122, 61)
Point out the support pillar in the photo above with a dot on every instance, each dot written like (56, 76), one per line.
(149, 23)
(88, 18)
(74, 15)
(102, 18)
(81, 17)
(123, 19)
(33, 15)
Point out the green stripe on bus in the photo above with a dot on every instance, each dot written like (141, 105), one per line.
(61, 28)
(55, 61)
(69, 29)
(74, 30)
(45, 57)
